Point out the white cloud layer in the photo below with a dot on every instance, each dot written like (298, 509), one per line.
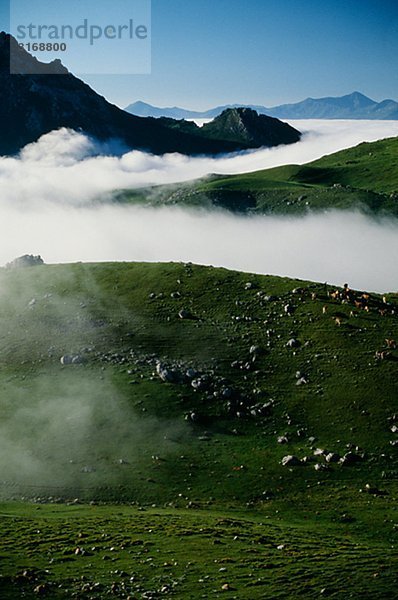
(65, 166)
(46, 208)
(335, 247)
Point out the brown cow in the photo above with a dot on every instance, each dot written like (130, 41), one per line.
(391, 343)
(382, 354)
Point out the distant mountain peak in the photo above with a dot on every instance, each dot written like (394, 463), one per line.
(357, 94)
(360, 99)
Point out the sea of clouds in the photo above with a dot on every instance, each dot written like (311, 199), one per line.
(49, 205)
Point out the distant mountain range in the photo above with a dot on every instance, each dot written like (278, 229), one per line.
(352, 106)
(33, 104)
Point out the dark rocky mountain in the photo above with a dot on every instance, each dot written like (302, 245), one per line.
(34, 104)
(243, 127)
(247, 126)
(352, 106)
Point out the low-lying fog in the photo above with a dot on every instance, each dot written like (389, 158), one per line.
(47, 194)
(338, 247)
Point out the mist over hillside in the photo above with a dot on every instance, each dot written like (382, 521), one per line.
(65, 166)
(58, 202)
(198, 310)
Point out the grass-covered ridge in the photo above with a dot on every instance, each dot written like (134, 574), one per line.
(364, 177)
(191, 418)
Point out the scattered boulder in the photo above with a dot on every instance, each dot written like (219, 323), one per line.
(288, 308)
(291, 461)
(70, 359)
(345, 518)
(282, 439)
(350, 459)
(321, 467)
(261, 410)
(185, 314)
(192, 416)
(374, 491)
(293, 343)
(77, 360)
(167, 375)
(332, 457)
(191, 374)
(27, 260)
(319, 452)
(41, 589)
(200, 383)
(226, 393)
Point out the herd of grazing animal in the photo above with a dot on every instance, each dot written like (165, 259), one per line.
(357, 302)
(361, 302)
(384, 354)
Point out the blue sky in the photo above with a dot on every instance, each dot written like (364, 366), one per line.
(209, 52)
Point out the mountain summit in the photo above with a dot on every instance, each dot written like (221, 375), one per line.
(34, 104)
(22, 63)
(246, 126)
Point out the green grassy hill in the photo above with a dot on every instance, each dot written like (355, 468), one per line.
(364, 177)
(182, 390)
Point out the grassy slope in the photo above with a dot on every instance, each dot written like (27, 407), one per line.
(363, 177)
(198, 473)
